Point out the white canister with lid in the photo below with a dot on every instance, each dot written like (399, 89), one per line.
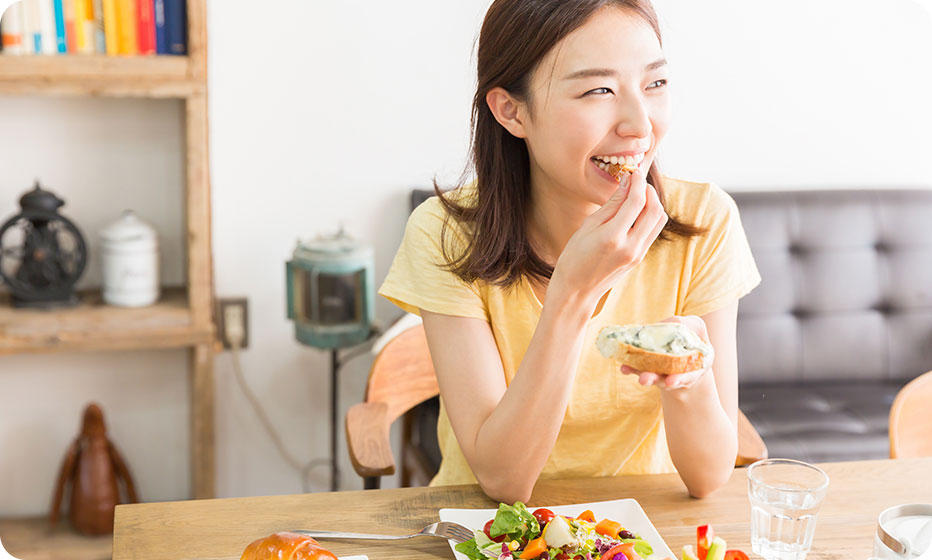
(130, 258)
(904, 532)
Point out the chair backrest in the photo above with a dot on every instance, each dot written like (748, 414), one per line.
(402, 375)
(911, 419)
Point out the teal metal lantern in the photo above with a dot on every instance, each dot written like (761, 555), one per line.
(331, 295)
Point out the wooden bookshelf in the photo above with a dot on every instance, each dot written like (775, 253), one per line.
(93, 326)
(32, 539)
(98, 75)
(184, 318)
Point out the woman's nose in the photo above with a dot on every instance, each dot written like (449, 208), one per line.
(632, 117)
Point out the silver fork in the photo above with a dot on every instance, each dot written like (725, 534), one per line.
(443, 529)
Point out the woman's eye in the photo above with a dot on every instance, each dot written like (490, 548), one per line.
(661, 82)
(598, 91)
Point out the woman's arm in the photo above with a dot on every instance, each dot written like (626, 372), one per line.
(701, 420)
(507, 434)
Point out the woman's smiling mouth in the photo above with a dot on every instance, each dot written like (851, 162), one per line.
(613, 166)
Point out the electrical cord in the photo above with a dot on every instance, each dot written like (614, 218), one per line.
(235, 335)
(304, 469)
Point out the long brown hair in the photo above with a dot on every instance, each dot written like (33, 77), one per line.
(515, 36)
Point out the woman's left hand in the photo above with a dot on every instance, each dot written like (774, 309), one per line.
(677, 380)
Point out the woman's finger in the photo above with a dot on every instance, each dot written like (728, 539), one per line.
(650, 222)
(631, 207)
(611, 206)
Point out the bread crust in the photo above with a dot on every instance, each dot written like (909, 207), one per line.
(657, 362)
(286, 546)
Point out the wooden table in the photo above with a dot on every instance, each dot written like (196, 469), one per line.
(215, 529)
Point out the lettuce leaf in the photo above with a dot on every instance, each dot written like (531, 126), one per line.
(515, 521)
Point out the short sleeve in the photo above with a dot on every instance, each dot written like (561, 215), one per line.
(723, 268)
(418, 279)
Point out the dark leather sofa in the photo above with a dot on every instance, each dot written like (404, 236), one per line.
(840, 322)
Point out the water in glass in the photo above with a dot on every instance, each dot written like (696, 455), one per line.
(785, 497)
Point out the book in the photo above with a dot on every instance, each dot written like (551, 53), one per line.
(145, 27)
(111, 27)
(47, 26)
(71, 33)
(100, 36)
(176, 26)
(161, 41)
(61, 41)
(126, 26)
(11, 30)
(32, 32)
(84, 26)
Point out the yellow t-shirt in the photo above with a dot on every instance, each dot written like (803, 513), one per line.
(613, 425)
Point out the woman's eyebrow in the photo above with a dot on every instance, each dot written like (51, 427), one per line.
(608, 72)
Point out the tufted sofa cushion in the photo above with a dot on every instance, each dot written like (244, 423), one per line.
(841, 320)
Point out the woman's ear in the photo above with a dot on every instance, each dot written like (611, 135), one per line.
(509, 112)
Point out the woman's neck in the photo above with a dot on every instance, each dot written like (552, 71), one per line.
(555, 215)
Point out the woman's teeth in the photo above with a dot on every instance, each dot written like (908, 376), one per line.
(627, 161)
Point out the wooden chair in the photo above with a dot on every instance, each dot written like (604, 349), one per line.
(911, 419)
(402, 377)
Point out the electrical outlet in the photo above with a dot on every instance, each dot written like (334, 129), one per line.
(233, 322)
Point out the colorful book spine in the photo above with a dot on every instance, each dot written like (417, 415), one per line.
(84, 26)
(71, 29)
(61, 42)
(111, 27)
(161, 40)
(145, 27)
(32, 31)
(176, 24)
(47, 24)
(126, 26)
(11, 30)
(100, 36)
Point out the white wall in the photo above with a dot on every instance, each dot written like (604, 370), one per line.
(333, 112)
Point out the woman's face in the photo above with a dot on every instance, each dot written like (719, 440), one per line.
(599, 94)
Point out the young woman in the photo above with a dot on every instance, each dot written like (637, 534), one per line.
(515, 273)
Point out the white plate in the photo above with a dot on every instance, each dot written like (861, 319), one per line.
(628, 512)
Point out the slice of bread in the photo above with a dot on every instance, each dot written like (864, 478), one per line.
(664, 348)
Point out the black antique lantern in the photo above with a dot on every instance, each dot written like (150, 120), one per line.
(42, 254)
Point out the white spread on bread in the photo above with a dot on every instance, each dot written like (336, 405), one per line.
(675, 339)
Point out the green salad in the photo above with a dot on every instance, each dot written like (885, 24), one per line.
(517, 533)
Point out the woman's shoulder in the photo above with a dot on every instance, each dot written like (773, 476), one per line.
(431, 214)
(700, 203)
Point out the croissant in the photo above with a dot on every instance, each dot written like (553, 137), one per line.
(286, 546)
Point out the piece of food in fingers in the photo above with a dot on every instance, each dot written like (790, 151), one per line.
(664, 348)
(617, 170)
(286, 546)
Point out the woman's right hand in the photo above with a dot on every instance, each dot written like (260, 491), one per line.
(611, 241)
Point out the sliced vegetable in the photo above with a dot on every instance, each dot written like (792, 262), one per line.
(735, 555)
(608, 528)
(628, 549)
(717, 549)
(704, 536)
(689, 553)
(534, 548)
(587, 516)
(558, 533)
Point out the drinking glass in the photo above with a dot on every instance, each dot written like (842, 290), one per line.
(785, 496)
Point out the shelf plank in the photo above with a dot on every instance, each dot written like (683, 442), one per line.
(94, 326)
(99, 75)
(32, 539)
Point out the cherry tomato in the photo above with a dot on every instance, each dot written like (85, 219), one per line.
(488, 532)
(735, 555)
(562, 556)
(543, 516)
